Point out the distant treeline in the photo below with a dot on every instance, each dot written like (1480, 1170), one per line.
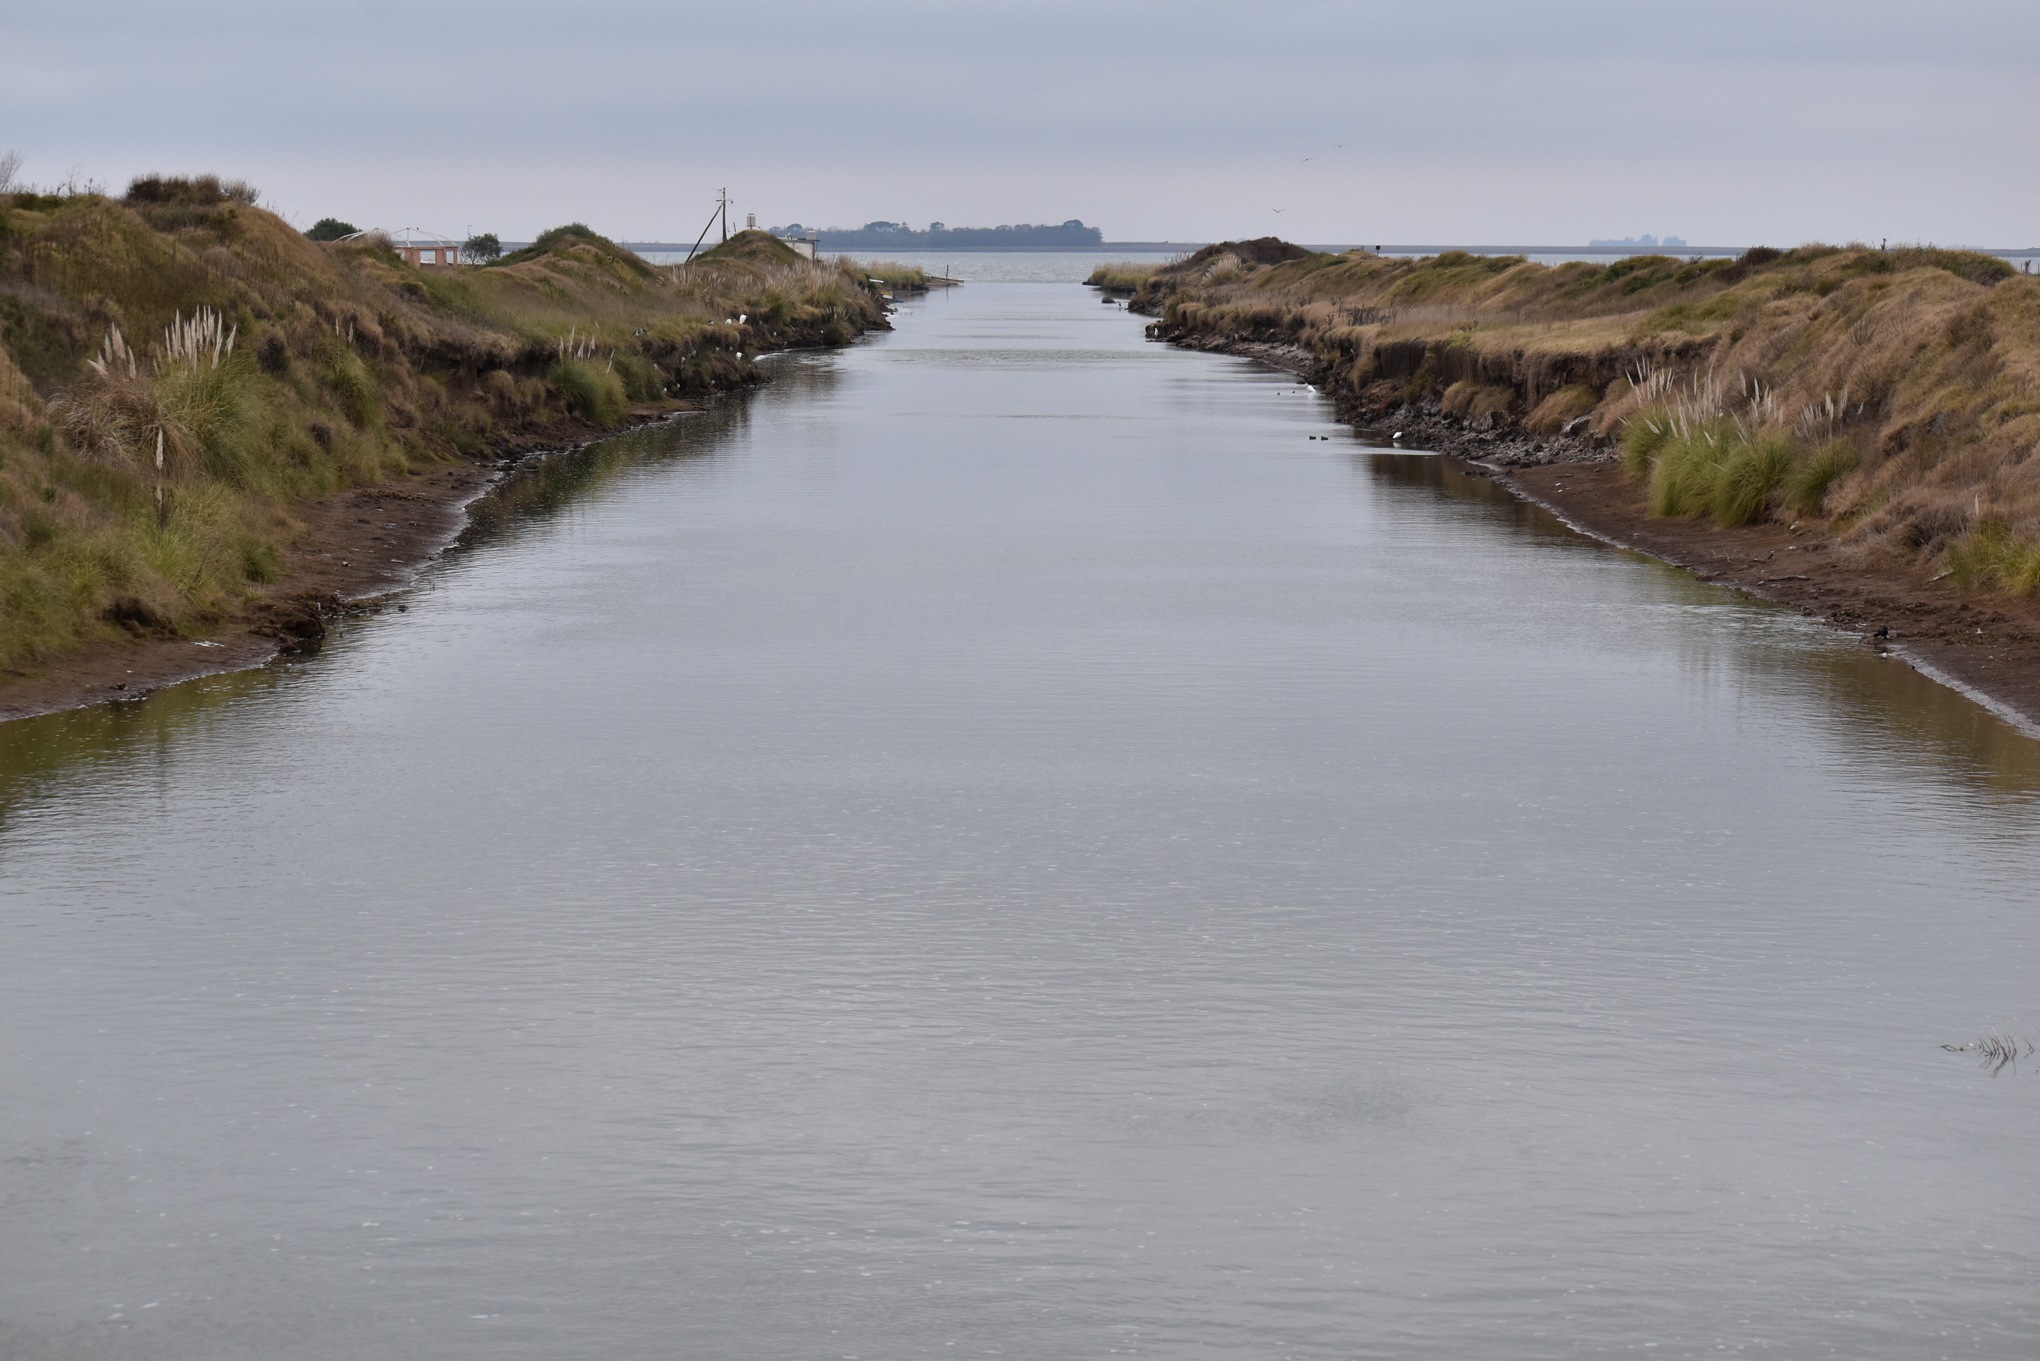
(1072, 234)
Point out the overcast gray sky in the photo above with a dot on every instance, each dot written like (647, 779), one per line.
(1473, 121)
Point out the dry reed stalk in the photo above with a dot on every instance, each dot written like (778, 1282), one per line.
(115, 357)
(205, 340)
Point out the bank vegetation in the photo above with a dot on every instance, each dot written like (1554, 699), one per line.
(1887, 399)
(179, 369)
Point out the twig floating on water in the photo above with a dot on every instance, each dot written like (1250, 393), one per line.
(1994, 1051)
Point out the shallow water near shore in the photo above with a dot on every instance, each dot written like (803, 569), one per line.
(1000, 844)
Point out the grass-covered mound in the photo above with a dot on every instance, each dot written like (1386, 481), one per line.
(178, 368)
(1892, 396)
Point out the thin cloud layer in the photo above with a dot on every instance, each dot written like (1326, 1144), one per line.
(1475, 121)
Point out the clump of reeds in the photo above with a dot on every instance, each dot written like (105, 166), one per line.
(203, 340)
(574, 345)
(179, 412)
(1710, 449)
(639, 376)
(594, 391)
(1222, 269)
(1992, 555)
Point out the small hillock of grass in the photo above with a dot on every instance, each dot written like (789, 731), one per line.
(593, 390)
(752, 247)
(891, 275)
(1121, 276)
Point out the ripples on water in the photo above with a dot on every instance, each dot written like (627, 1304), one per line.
(999, 845)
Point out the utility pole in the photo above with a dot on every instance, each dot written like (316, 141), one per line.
(725, 214)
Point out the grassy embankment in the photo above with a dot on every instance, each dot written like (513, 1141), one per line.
(1888, 397)
(1121, 276)
(887, 274)
(179, 368)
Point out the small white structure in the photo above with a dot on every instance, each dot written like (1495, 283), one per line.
(424, 250)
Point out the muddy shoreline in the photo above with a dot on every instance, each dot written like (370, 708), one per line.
(354, 550)
(1986, 648)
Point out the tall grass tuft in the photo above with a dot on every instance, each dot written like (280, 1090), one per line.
(355, 388)
(594, 391)
(213, 422)
(1806, 490)
(1643, 438)
(1993, 556)
(205, 340)
(1711, 467)
(1747, 484)
(1121, 276)
(640, 377)
(1707, 448)
(1686, 469)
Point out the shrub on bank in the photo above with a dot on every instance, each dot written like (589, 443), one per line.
(593, 390)
(1716, 468)
(1121, 276)
(1994, 557)
(640, 377)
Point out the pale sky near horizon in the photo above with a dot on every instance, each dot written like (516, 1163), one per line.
(1466, 121)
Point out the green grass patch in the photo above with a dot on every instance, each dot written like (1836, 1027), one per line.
(1993, 556)
(593, 390)
(640, 377)
(1806, 489)
(1747, 483)
(1712, 468)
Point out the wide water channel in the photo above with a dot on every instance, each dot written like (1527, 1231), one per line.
(1000, 844)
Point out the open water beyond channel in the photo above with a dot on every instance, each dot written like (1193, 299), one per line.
(999, 844)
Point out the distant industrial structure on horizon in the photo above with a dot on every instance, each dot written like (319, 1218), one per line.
(1644, 242)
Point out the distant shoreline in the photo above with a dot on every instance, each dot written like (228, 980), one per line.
(1186, 247)
(862, 249)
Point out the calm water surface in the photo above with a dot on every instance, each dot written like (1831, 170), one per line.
(1001, 845)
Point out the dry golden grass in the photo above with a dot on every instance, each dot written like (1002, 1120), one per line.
(1121, 276)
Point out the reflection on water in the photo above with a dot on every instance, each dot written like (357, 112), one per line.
(1000, 843)
(1889, 709)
